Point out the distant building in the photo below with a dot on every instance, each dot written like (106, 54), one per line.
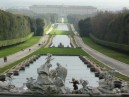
(63, 9)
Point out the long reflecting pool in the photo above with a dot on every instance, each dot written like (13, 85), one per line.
(76, 69)
(63, 39)
(62, 26)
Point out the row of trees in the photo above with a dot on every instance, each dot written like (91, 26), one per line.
(75, 18)
(37, 26)
(17, 26)
(108, 26)
(84, 27)
(13, 26)
(47, 18)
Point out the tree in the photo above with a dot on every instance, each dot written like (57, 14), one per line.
(85, 27)
(40, 25)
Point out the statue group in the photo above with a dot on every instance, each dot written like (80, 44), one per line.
(49, 81)
(53, 82)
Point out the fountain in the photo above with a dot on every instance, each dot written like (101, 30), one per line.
(61, 41)
(48, 82)
(53, 82)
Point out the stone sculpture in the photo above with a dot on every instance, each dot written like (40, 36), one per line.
(125, 87)
(110, 84)
(61, 72)
(60, 45)
(7, 86)
(59, 75)
(44, 83)
(75, 85)
(49, 58)
(84, 89)
(88, 89)
(48, 82)
(4, 86)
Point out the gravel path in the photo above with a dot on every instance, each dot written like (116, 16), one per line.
(115, 64)
(21, 54)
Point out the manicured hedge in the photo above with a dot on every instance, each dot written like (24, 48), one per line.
(110, 44)
(15, 41)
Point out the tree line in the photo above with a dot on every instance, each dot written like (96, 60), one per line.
(107, 26)
(75, 18)
(18, 26)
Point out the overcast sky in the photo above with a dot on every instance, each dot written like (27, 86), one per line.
(100, 4)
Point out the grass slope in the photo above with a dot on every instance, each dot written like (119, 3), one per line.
(61, 51)
(61, 32)
(47, 28)
(14, 49)
(109, 52)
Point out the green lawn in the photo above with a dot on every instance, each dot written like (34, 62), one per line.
(55, 26)
(65, 20)
(61, 51)
(61, 32)
(47, 28)
(14, 49)
(60, 20)
(109, 52)
(55, 51)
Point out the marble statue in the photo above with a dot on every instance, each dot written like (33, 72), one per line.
(125, 87)
(84, 89)
(44, 84)
(49, 58)
(59, 75)
(48, 82)
(30, 82)
(60, 45)
(53, 74)
(88, 89)
(110, 84)
(61, 72)
(4, 86)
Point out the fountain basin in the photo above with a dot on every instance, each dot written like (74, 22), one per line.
(76, 69)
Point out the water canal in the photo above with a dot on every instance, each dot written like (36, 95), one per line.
(62, 26)
(63, 39)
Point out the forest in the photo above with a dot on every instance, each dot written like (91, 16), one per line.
(107, 26)
(18, 27)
